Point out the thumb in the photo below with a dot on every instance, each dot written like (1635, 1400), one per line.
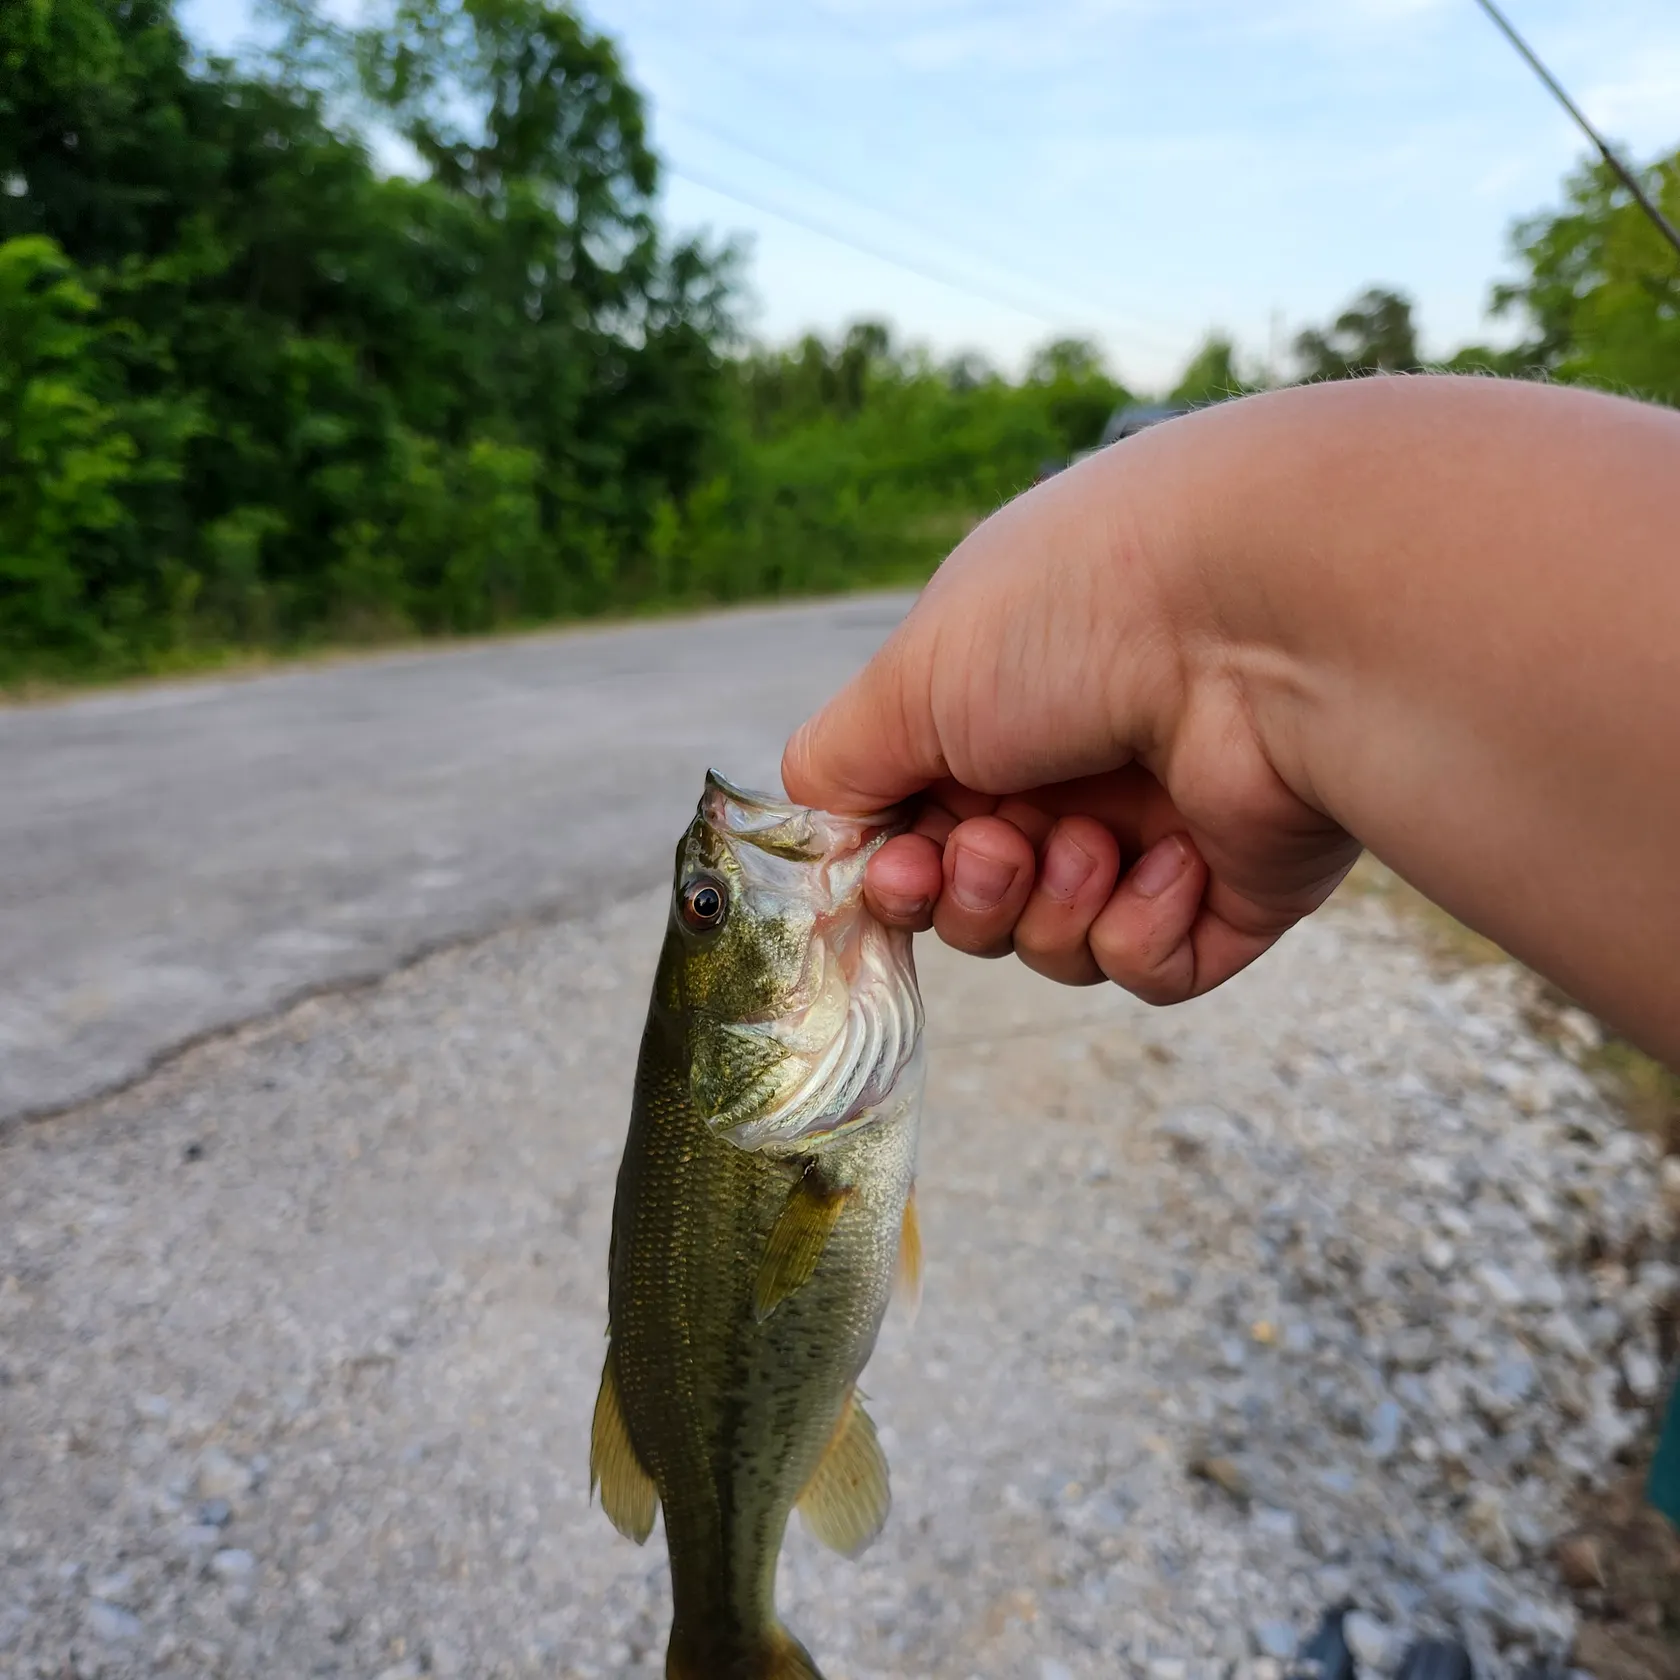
(875, 742)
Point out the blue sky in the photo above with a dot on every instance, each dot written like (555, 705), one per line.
(1140, 171)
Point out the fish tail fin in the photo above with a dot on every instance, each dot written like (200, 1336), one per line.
(773, 1655)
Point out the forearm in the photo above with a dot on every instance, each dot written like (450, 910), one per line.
(1453, 610)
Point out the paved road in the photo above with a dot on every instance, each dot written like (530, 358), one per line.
(183, 857)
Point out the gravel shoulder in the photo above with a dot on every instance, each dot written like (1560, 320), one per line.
(1338, 1281)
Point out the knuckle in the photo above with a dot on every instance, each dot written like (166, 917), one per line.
(1159, 978)
(973, 941)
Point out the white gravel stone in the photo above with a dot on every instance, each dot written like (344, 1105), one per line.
(111, 1623)
(1371, 1640)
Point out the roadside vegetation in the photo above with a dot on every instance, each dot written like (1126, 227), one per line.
(261, 391)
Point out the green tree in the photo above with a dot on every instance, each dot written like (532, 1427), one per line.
(302, 352)
(65, 457)
(1600, 288)
(1210, 375)
(1078, 393)
(1374, 334)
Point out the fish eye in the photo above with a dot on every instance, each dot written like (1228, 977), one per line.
(704, 904)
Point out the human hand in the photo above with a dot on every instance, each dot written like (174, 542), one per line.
(1075, 719)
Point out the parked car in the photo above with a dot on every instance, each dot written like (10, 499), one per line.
(1124, 422)
(1133, 418)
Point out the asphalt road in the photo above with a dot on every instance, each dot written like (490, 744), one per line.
(182, 857)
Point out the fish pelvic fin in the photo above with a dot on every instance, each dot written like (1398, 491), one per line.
(628, 1495)
(907, 1286)
(846, 1501)
(777, 1655)
(796, 1241)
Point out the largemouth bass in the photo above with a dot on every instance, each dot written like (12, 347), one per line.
(764, 1209)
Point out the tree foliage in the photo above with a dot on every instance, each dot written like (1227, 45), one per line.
(1600, 292)
(308, 398)
(1374, 334)
(257, 389)
(1210, 375)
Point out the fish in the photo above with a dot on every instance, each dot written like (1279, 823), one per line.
(763, 1219)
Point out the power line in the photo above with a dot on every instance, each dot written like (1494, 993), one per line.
(1078, 306)
(1658, 220)
(880, 253)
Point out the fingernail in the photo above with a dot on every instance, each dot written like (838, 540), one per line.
(1160, 866)
(1067, 867)
(901, 909)
(979, 883)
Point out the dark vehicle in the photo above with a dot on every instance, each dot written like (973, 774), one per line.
(1135, 417)
(1122, 423)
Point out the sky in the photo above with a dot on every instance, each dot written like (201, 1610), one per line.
(988, 174)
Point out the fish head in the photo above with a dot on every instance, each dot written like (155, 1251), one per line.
(800, 1012)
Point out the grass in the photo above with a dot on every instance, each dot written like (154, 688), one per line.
(209, 659)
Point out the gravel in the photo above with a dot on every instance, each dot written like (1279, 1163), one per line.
(1339, 1284)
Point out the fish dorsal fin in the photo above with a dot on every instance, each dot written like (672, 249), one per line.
(628, 1495)
(908, 1285)
(845, 1503)
(796, 1242)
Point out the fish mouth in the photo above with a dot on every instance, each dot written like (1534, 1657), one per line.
(851, 1029)
(799, 833)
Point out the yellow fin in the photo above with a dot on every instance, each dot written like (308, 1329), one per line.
(908, 1287)
(796, 1243)
(845, 1503)
(628, 1495)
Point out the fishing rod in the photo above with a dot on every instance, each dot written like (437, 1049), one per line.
(1658, 220)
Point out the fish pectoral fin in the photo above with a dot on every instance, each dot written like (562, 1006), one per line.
(628, 1495)
(846, 1501)
(796, 1242)
(908, 1284)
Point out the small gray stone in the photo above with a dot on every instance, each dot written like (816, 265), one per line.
(111, 1623)
(117, 1588)
(1275, 1639)
(1542, 1287)
(1485, 1522)
(214, 1513)
(1386, 1423)
(1370, 1640)
(1050, 1669)
(1471, 1588)
(1643, 1374)
(1415, 1349)
(1499, 1286)
(221, 1476)
(233, 1563)
(1513, 1378)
